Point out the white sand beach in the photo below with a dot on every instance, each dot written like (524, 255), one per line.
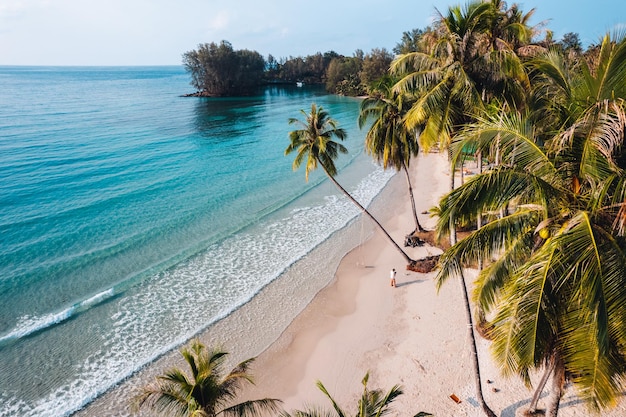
(411, 335)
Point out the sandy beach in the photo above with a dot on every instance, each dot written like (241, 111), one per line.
(410, 335)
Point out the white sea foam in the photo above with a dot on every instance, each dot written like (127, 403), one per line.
(28, 325)
(180, 302)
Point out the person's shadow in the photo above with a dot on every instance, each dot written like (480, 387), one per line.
(405, 283)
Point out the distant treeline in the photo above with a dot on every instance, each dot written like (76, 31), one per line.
(219, 70)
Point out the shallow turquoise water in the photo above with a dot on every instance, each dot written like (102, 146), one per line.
(132, 218)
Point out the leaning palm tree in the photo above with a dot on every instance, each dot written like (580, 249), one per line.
(206, 391)
(314, 144)
(388, 140)
(371, 404)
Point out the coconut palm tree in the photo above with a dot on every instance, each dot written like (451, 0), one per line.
(556, 283)
(314, 145)
(449, 85)
(371, 404)
(471, 60)
(206, 391)
(388, 140)
(558, 279)
(440, 77)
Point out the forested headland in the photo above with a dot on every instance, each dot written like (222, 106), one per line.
(219, 70)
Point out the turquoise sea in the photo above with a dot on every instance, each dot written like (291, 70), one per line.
(132, 218)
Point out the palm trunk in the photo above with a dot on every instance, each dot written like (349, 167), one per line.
(462, 172)
(364, 210)
(470, 331)
(558, 386)
(532, 408)
(452, 220)
(418, 226)
(479, 217)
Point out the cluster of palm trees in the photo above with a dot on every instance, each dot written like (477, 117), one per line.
(555, 285)
(553, 203)
(554, 288)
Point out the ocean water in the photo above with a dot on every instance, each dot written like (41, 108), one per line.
(132, 218)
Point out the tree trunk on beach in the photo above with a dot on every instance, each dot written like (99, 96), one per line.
(558, 384)
(452, 220)
(475, 362)
(532, 408)
(364, 210)
(418, 226)
(479, 217)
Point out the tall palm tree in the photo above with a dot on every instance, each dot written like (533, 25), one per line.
(206, 391)
(388, 140)
(557, 286)
(371, 404)
(450, 89)
(314, 144)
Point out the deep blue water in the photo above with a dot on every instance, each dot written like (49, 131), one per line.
(131, 218)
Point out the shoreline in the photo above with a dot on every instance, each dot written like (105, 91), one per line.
(262, 316)
(411, 335)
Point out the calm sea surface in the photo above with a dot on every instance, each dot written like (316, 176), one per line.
(132, 218)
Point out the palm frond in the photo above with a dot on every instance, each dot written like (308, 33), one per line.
(336, 407)
(253, 408)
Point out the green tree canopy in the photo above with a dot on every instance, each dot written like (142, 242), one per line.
(219, 70)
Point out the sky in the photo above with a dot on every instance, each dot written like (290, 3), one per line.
(159, 32)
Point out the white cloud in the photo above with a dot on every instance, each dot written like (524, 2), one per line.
(220, 21)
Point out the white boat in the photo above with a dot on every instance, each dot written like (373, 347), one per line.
(299, 84)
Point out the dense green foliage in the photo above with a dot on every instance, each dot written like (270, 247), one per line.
(551, 119)
(218, 70)
(206, 391)
(555, 286)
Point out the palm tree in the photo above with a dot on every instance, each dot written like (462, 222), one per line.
(206, 392)
(371, 404)
(557, 286)
(449, 84)
(440, 78)
(388, 140)
(314, 143)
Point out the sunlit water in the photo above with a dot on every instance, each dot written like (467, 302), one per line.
(132, 218)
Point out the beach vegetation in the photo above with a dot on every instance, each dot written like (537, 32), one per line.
(372, 403)
(555, 285)
(342, 76)
(314, 145)
(375, 67)
(206, 390)
(388, 139)
(464, 65)
(411, 41)
(219, 70)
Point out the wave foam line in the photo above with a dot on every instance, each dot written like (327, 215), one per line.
(29, 325)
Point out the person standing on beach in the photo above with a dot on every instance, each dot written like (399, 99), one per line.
(392, 276)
